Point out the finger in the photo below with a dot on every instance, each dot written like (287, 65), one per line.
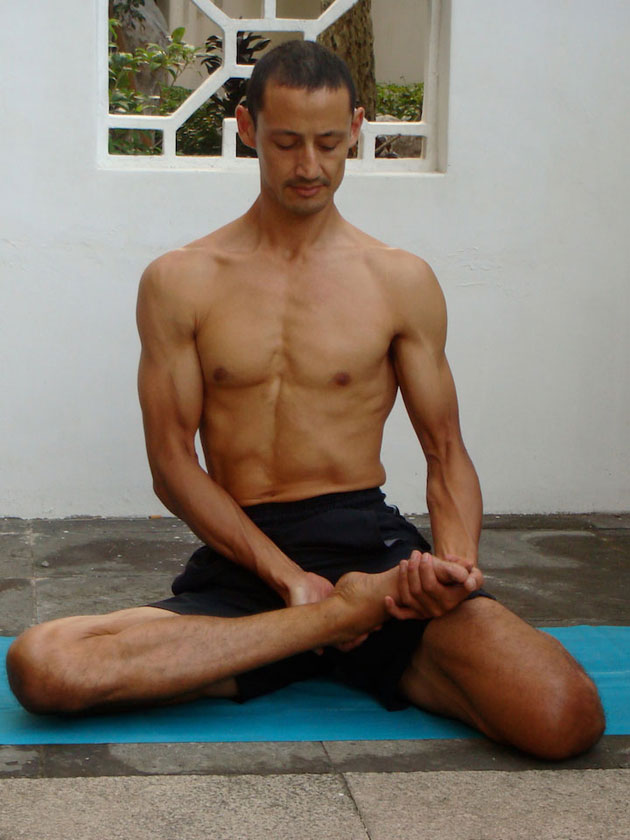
(403, 580)
(474, 581)
(402, 613)
(461, 561)
(427, 573)
(440, 597)
(448, 572)
(414, 583)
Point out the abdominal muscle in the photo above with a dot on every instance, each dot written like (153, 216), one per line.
(287, 443)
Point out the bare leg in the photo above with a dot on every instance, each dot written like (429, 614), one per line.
(485, 666)
(147, 655)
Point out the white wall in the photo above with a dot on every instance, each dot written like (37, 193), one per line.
(399, 51)
(527, 231)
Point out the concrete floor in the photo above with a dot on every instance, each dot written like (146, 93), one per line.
(552, 570)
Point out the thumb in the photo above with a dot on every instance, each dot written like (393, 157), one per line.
(446, 571)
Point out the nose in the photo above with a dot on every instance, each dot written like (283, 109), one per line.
(308, 163)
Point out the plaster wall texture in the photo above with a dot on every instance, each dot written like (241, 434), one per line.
(527, 231)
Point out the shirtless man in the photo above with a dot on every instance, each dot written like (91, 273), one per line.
(283, 338)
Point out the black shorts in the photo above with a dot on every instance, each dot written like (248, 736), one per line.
(329, 535)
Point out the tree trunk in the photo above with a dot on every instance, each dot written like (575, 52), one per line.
(352, 38)
(147, 25)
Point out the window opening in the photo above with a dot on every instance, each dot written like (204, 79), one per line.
(179, 68)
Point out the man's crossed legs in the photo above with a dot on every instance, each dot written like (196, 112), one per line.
(478, 663)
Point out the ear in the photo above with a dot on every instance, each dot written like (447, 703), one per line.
(245, 123)
(357, 122)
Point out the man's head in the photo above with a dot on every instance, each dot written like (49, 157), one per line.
(298, 64)
(301, 120)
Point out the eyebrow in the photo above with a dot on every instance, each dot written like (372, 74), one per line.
(286, 132)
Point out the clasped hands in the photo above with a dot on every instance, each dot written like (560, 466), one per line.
(429, 587)
(426, 587)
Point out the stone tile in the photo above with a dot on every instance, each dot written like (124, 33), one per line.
(13, 525)
(537, 521)
(70, 761)
(612, 752)
(74, 760)
(16, 555)
(609, 520)
(558, 576)
(180, 808)
(120, 546)
(97, 594)
(161, 527)
(17, 606)
(222, 758)
(546, 804)
(19, 761)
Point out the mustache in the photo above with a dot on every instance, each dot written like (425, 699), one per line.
(301, 182)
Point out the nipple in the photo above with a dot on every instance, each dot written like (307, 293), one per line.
(220, 374)
(342, 378)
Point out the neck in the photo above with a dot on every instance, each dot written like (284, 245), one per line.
(291, 234)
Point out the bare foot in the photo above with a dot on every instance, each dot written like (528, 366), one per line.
(363, 597)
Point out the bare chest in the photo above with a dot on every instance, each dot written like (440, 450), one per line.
(311, 332)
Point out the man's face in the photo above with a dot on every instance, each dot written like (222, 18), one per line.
(302, 138)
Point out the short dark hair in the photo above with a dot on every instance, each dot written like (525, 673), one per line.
(298, 64)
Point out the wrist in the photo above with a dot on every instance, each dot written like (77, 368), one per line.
(283, 576)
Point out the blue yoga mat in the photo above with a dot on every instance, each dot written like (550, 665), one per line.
(316, 710)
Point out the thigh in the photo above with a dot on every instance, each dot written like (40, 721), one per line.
(78, 627)
(484, 665)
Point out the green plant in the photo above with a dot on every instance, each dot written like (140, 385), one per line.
(125, 97)
(201, 133)
(401, 101)
(233, 91)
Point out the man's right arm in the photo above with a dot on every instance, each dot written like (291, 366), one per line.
(170, 384)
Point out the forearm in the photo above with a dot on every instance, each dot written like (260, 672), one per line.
(216, 518)
(455, 504)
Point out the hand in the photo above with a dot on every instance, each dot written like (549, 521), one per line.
(312, 588)
(308, 588)
(429, 587)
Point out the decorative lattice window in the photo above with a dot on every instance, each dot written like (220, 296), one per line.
(163, 131)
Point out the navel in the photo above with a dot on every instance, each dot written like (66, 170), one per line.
(342, 378)
(220, 374)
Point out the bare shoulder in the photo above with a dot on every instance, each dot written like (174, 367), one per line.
(410, 287)
(179, 284)
(404, 270)
(177, 272)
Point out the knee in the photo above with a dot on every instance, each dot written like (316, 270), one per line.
(569, 718)
(35, 668)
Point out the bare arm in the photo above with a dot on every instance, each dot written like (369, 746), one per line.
(424, 376)
(429, 585)
(170, 385)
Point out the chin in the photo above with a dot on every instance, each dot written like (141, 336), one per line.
(307, 207)
(308, 210)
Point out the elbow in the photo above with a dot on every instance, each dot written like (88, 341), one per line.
(167, 465)
(160, 488)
